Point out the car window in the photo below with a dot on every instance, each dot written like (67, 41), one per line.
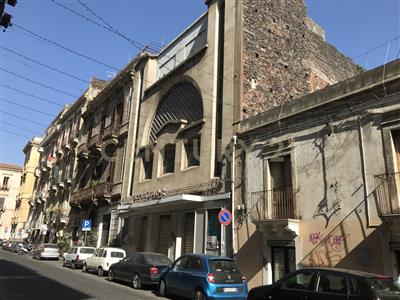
(100, 253)
(75, 250)
(157, 260)
(117, 254)
(384, 286)
(353, 287)
(194, 263)
(87, 250)
(332, 283)
(105, 253)
(181, 264)
(226, 266)
(50, 246)
(298, 281)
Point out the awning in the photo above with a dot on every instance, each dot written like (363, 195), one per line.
(182, 198)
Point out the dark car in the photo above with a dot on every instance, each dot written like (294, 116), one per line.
(329, 284)
(199, 277)
(140, 268)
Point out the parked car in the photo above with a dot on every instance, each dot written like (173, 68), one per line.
(20, 247)
(329, 284)
(77, 255)
(46, 251)
(7, 245)
(102, 260)
(198, 276)
(140, 268)
(1, 242)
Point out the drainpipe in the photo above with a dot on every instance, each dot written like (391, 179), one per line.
(234, 141)
(364, 173)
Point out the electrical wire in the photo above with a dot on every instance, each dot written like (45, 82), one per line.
(44, 65)
(26, 107)
(18, 127)
(31, 95)
(38, 83)
(40, 37)
(14, 133)
(21, 118)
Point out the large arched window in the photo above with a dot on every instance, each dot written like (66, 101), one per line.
(182, 102)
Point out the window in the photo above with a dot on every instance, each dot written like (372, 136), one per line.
(118, 114)
(87, 250)
(102, 124)
(168, 159)
(354, 287)
(147, 162)
(75, 250)
(298, 281)
(5, 187)
(117, 255)
(100, 253)
(105, 253)
(90, 129)
(332, 283)
(2, 199)
(194, 264)
(223, 266)
(181, 264)
(192, 151)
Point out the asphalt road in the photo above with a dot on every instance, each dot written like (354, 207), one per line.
(24, 278)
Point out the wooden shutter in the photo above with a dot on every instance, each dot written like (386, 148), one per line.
(164, 234)
(188, 240)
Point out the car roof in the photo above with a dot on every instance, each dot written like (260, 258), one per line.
(112, 249)
(347, 271)
(209, 256)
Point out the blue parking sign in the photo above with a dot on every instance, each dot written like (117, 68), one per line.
(86, 225)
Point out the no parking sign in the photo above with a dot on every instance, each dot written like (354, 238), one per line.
(225, 217)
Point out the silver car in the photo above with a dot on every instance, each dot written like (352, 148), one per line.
(46, 251)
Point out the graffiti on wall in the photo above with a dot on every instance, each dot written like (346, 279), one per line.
(329, 249)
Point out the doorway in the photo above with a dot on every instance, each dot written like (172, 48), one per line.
(283, 261)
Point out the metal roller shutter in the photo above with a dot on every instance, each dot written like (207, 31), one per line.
(143, 234)
(189, 233)
(164, 234)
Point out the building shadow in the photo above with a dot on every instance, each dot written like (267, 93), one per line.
(20, 282)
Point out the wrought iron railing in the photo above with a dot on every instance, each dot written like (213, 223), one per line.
(276, 204)
(387, 194)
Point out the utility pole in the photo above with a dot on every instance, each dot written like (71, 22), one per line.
(5, 19)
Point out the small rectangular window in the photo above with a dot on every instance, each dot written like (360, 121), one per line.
(147, 163)
(102, 125)
(168, 158)
(192, 151)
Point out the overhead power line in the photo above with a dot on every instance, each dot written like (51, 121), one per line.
(40, 37)
(44, 65)
(14, 133)
(31, 95)
(26, 107)
(21, 118)
(38, 83)
(18, 127)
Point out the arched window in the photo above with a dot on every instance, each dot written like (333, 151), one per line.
(182, 102)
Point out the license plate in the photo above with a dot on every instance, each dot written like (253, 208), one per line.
(230, 290)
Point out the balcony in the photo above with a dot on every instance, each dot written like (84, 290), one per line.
(95, 143)
(99, 191)
(387, 194)
(111, 132)
(272, 205)
(83, 151)
(274, 211)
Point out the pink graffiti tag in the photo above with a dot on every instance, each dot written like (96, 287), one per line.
(315, 237)
(336, 242)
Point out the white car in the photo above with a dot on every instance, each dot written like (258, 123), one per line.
(46, 251)
(77, 255)
(103, 259)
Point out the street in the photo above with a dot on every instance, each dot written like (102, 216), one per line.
(22, 277)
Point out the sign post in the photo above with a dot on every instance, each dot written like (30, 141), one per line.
(86, 226)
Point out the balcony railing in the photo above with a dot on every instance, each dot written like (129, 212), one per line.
(387, 194)
(101, 190)
(277, 204)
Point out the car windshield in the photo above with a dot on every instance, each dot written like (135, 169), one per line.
(226, 266)
(87, 250)
(117, 254)
(383, 285)
(157, 259)
(52, 246)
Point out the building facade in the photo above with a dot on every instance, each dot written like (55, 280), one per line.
(238, 59)
(25, 196)
(10, 177)
(319, 180)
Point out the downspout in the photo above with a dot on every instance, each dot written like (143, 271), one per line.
(234, 238)
(364, 173)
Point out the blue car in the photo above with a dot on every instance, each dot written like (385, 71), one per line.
(203, 277)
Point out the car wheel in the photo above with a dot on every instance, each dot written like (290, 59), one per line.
(84, 268)
(110, 275)
(136, 281)
(199, 295)
(73, 266)
(100, 272)
(162, 291)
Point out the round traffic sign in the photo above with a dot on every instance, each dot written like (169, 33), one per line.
(225, 217)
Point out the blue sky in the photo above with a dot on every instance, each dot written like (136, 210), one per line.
(354, 27)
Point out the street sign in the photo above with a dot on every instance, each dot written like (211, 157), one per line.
(86, 225)
(225, 217)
